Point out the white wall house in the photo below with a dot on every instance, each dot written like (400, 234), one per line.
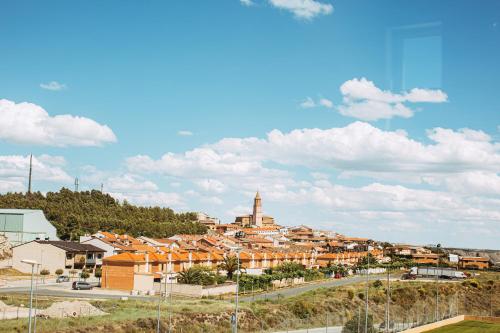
(53, 255)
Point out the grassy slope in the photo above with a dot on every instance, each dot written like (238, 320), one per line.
(469, 327)
(311, 309)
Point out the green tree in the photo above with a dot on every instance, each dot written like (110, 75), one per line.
(72, 273)
(44, 272)
(59, 272)
(84, 275)
(98, 274)
(230, 265)
(190, 276)
(76, 213)
(352, 325)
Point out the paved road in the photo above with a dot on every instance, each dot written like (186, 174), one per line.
(334, 329)
(303, 288)
(61, 290)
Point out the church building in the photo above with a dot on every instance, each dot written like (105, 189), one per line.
(257, 219)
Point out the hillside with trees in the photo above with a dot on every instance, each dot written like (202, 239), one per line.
(77, 213)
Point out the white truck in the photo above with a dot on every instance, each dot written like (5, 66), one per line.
(444, 273)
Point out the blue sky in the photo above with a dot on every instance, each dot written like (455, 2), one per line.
(402, 97)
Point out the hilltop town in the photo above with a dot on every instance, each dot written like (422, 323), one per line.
(260, 244)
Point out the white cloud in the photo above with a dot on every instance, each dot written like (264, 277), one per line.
(14, 171)
(456, 172)
(303, 9)
(247, 2)
(326, 103)
(363, 100)
(238, 211)
(211, 185)
(53, 85)
(152, 198)
(184, 133)
(308, 103)
(358, 149)
(28, 123)
(129, 183)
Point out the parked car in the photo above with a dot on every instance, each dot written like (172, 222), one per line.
(81, 285)
(62, 278)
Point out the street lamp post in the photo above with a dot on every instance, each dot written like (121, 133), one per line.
(170, 305)
(159, 304)
(367, 287)
(438, 246)
(235, 321)
(32, 263)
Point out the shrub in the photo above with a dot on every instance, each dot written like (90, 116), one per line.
(84, 275)
(377, 284)
(361, 296)
(59, 272)
(350, 294)
(352, 325)
(302, 309)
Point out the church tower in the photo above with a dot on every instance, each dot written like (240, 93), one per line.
(257, 211)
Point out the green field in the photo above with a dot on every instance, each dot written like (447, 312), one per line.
(468, 326)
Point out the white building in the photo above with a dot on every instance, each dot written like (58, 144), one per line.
(24, 225)
(53, 255)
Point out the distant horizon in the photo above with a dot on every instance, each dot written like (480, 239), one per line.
(378, 119)
(450, 247)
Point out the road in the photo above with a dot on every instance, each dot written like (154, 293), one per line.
(287, 292)
(63, 290)
(334, 329)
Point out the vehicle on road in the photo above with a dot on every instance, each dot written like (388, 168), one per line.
(81, 285)
(443, 273)
(62, 278)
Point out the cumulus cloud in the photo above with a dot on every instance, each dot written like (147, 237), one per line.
(53, 85)
(356, 150)
(150, 198)
(303, 9)
(14, 170)
(247, 2)
(28, 123)
(363, 100)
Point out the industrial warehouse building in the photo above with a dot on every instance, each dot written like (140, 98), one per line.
(25, 225)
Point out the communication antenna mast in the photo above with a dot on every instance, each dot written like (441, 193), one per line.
(76, 184)
(102, 187)
(29, 177)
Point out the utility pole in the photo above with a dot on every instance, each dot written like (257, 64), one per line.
(359, 319)
(387, 303)
(29, 176)
(235, 320)
(437, 282)
(367, 287)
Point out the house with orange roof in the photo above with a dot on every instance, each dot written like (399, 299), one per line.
(110, 248)
(474, 263)
(132, 271)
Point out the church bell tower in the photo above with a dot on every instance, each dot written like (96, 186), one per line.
(257, 211)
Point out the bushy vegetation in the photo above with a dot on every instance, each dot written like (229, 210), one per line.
(337, 306)
(200, 275)
(287, 270)
(77, 213)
